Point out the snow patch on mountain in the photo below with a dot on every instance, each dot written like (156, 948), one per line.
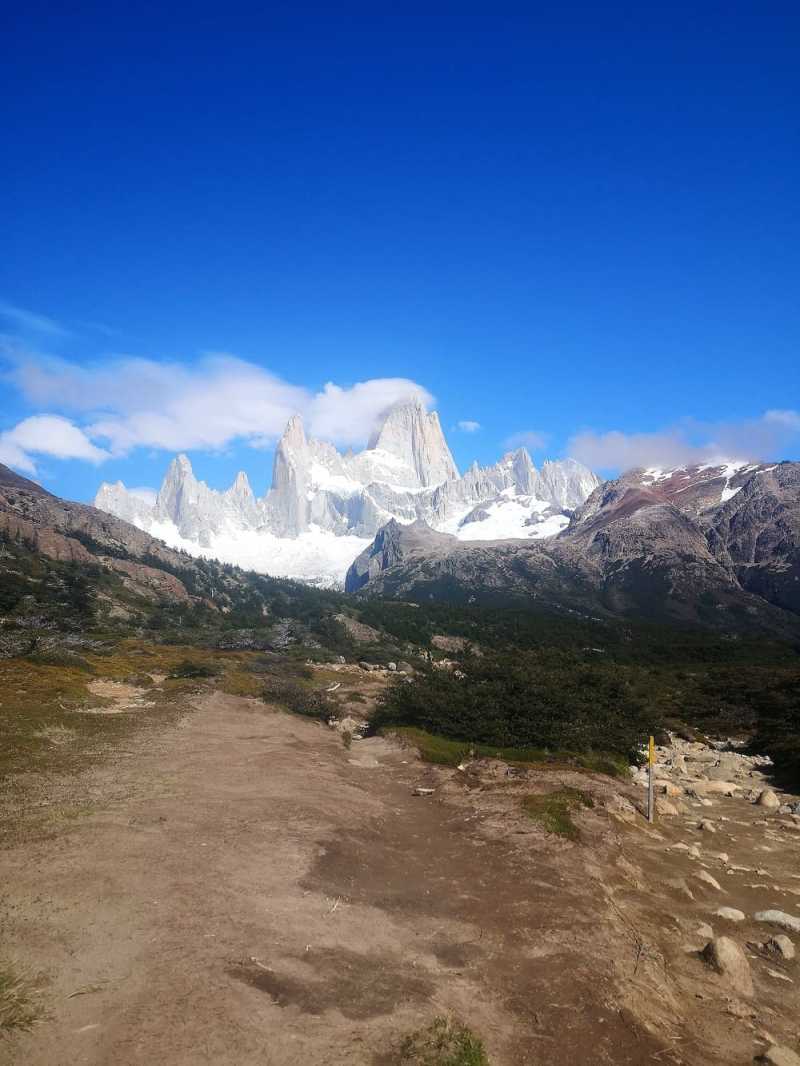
(324, 506)
(317, 557)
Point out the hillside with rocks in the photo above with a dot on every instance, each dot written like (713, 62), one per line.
(717, 546)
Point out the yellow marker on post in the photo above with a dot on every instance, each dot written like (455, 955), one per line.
(651, 762)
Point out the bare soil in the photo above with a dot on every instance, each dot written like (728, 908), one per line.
(243, 888)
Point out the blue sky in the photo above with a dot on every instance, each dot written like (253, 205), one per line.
(575, 227)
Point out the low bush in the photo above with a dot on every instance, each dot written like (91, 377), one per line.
(60, 657)
(518, 701)
(445, 1042)
(193, 670)
(298, 698)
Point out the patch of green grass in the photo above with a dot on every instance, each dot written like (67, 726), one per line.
(20, 1003)
(447, 752)
(445, 1042)
(554, 810)
(241, 683)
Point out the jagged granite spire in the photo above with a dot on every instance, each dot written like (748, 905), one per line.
(414, 436)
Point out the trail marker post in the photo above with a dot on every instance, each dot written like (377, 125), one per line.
(651, 762)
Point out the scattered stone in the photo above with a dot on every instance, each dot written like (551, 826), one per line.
(679, 886)
(730, 914)
(707, 826)
(666, 788)
(424, 791)
(779, 918)
(694, 851)
(780, 945)
(768, 799)
(727, 958)
(779, 1056)
(705, 802)
(704, 930)
(725, 788)
(722, 856)
(704, 875)
(663, 806)
(391, 666)
(679, 847)
(780, 976)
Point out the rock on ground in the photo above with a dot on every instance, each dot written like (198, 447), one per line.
(726, 957)
(779, 1056)
(731, 914)
(780, 918)
(780, 945)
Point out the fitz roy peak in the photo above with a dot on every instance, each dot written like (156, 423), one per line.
(324, 506)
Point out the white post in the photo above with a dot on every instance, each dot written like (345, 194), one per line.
(651, 802)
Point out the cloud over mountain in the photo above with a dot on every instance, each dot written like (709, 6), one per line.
(765, 437)
(128, 403)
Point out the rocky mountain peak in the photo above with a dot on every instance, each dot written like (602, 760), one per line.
(317, 492)
(414, 435)
(294, 436)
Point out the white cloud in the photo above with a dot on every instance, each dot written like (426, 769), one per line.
(30, 321)
(527, 438)
(468, 426)
(766, 437)
(789, 419)
(46, 435)
(349, 415)
(129, 403)
(12, 455)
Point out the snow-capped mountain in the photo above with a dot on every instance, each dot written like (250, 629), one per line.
(325, 506)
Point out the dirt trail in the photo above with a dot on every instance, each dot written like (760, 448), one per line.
(256, 892)
(263, 895)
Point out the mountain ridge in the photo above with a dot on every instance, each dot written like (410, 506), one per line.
(323, 506)
(638, 547)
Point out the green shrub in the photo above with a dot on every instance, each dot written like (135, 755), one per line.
(298, 698)
(517, 701)
(60, 657)
(445, 1042)
(192, 670)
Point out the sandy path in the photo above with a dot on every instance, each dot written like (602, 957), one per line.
(258, 894)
